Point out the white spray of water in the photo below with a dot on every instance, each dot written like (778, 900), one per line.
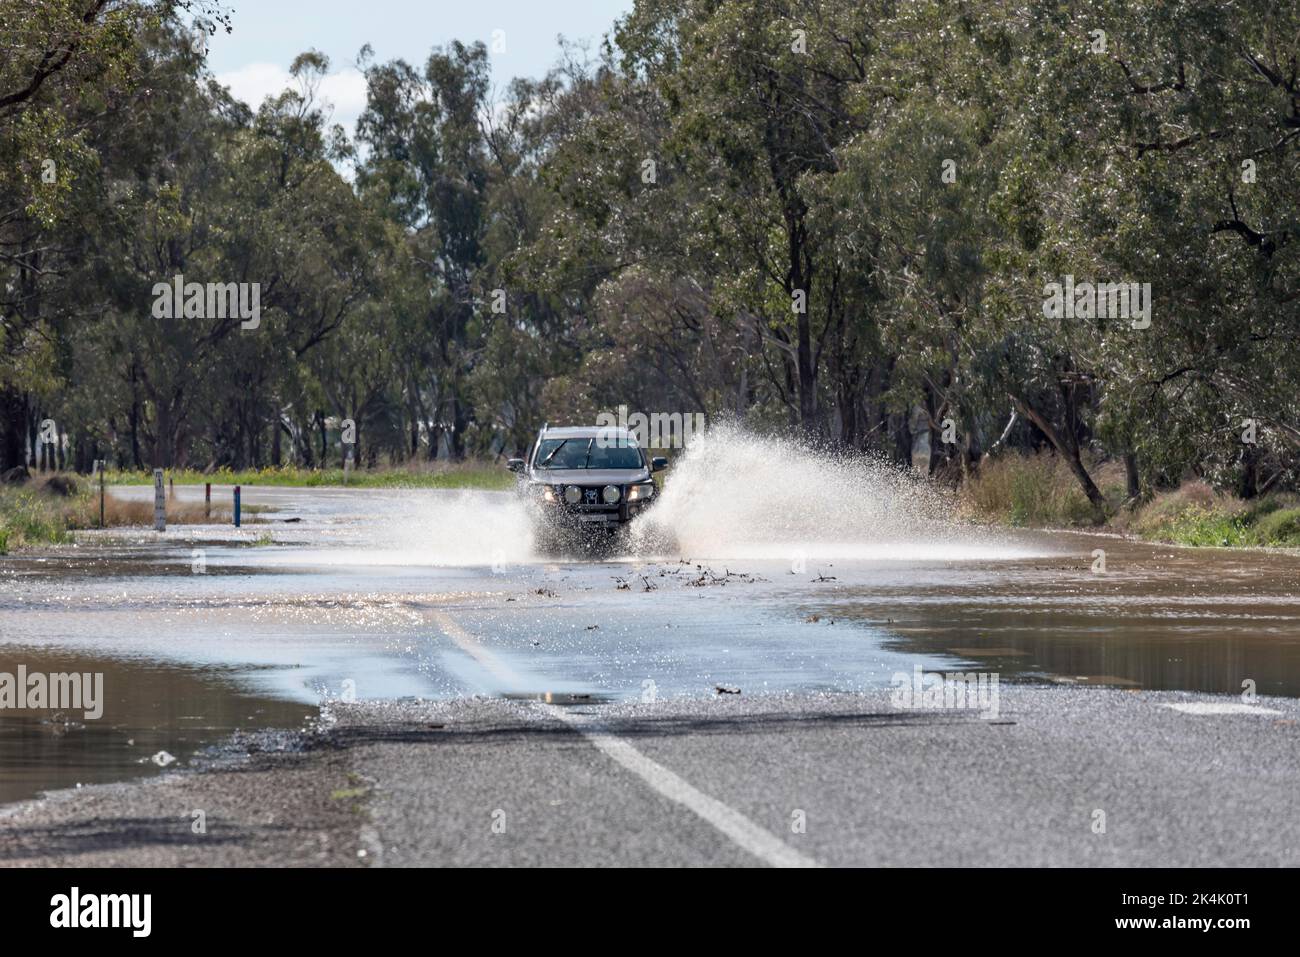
(733, 494)
(469, 528)
(420, 527)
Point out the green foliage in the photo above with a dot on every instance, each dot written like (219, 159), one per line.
(29, 517)
(838, 217)
(1194, 515)
(1198, 526)
(1280, 526)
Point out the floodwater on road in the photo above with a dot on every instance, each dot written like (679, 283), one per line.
(204, 630)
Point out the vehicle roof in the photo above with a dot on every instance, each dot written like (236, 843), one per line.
(583, 431)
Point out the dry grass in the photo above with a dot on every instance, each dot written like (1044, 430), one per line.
(118, 512)
(1040, 491)
(1036, 490)
(46, 512)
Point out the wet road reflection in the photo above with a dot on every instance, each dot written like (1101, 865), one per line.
(1159, 618)
(204, 630)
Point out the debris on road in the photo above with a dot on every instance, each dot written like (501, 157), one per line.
(708, 576)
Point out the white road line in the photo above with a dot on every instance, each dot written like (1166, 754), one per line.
(747, 835)
(475, 649)
(1219, 707)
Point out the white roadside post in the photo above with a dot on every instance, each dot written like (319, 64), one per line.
(159, 502)
(101, 464)
(348, 437)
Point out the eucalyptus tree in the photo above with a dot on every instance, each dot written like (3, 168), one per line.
(71, 71)
(758, 95)
(427, 168)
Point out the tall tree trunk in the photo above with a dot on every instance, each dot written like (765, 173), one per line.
(161, 452)
(13, 423)
(1067, 446)
(801, 283)
(1132, 479)
(135, 435)
(1248, 480)
(276, 451)
(459, 420)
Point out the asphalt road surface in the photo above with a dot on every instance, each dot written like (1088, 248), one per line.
(395, 680)
(1065, 776)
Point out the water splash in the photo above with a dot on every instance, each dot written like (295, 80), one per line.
(416, 527)
(468, 528)
(734, 494)
(731, 495)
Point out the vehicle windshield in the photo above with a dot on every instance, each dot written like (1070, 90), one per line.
(588, 453)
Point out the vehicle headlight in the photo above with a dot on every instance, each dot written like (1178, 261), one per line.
(573, 495)
(639, 493)
(548, 494)
(611, 494)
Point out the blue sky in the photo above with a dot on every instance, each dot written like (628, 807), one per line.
(254, 59)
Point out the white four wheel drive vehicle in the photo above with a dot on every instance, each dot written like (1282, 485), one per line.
(585, 479)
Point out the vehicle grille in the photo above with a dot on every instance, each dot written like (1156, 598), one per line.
(591, 499)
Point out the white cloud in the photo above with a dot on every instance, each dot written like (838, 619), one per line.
(344, 91)
(255, 82)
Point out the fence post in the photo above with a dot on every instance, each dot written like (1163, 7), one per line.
(236, 506)
(102, 463)
(159, 502)
(207, 499)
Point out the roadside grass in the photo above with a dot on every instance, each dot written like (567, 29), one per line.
(1015, 490)
(1039, 491)
(117, 512)
(1280, 527)
(31, 516)
(47, 509)
(467, 475)
(1195, 514)
(1036, 491)
(47, 512)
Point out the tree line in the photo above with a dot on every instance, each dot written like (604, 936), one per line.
(855, 219)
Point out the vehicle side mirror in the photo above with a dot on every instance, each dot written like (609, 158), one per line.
(658, 463)
(515, 465)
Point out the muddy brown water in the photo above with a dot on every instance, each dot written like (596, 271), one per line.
(207, 630)
(150, 709)
(1162, 618)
